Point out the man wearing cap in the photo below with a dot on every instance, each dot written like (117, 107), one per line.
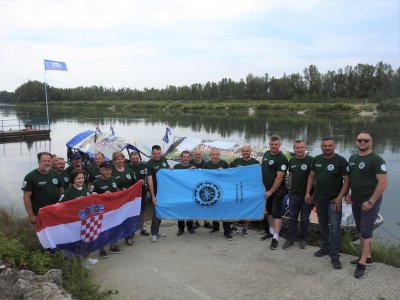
(155, 164)
(139, 168)
(41, 187)
(368, 181)
(63, 173)
(106, 184)
(76, 160)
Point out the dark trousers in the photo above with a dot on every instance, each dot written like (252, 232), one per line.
(329, 220)
(181, 225)
(225, 225)
(298, 205)
(155, 223)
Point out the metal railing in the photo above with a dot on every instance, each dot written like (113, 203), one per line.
(18, 125)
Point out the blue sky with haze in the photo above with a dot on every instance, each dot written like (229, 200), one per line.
(140, 44)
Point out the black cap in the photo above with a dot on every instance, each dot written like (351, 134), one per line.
(106, 164)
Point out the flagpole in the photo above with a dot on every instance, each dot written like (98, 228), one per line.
(45, 92)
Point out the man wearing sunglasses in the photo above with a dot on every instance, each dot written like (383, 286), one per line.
(368, 180)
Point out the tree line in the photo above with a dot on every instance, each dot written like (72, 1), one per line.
(358, 82)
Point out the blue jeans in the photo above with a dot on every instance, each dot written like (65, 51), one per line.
(298, 205)
(329, 220)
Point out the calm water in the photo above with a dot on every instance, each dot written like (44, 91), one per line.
(17, 159)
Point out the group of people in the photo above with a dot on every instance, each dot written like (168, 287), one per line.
(322, 181)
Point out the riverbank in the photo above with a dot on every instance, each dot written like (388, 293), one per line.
(267, 106)
(204, 266)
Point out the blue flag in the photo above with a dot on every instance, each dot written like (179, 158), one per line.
(167, 134)
(229, 194)
(55, 65)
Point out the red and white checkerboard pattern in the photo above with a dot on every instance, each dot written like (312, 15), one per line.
(91, 228)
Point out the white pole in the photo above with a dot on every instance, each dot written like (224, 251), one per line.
(47, 105)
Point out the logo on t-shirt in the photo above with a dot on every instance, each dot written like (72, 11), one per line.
(271, 162)
(330, 167)
(66, 179)
(114, 185)
(128, 176)
(383, 167)
(283, 167)
(304, 167)
(164, 164)
(361, 165)
(23, 184)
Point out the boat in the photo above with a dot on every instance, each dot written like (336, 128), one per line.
(348, 225)
(23, 130)
(89, 142)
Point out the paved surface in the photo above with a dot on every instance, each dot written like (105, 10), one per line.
(203, 266)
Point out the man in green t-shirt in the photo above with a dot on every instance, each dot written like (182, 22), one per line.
(330, 173)
(274, 167)
(41, 187)
(245, 160)
(368, 181)
(215, 163)
(184, 164)
(94, 171)
(155, 164)
(139, 169)
(63, 173)
(299, 169)
(76, 160)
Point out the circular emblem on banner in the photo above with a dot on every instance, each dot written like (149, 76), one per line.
(303, 167)
(271, 162)
(207, 194)
(55, 181)
(383, 167)
(330, 167)
(361, 165)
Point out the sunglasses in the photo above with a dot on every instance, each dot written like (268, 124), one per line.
(365, 141)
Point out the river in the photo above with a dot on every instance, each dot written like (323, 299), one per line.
(17, 159)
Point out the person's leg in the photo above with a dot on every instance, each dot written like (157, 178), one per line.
(367, 221)
(277, 213)
(335, 232)
(323, 221)
(189, 224)
(227, 228)
(294, 208)
(305, 212)
(155, 223)
(181, 225)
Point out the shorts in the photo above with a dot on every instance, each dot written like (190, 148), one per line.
(365, 219)
(274, 204)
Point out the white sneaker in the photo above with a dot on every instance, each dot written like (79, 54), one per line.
(92, 261)
(161, 234)
(154, 238)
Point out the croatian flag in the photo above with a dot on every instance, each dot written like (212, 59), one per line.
(54, 65)
(91, 222)
(229, 194)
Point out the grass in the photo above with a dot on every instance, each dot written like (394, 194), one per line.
(20, 249)
(383, 252)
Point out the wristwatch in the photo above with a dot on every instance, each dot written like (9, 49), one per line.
(370, 202)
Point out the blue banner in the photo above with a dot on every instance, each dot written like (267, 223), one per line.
(229, 194)
(55, 65)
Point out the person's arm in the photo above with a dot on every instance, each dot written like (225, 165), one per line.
(151, 188)
(277, 183)
(379, 189)
(343, 192)
(310, 184)
(27, 197)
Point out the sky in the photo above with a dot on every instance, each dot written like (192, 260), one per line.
(156, 43)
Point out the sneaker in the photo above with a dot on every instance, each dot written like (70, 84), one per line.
(208, 225)
(336, 263)
(161, 234)
(92, 261)
(229, 237)
(302, 244)
(191, 230)
(267, 236)
(196, 225)
(154, 238)
(213, 231)
(144, 232)
(321, 252)
(245, 232)
(360, 271)
(369, 261)
(103, 254)
(274, 244)
(129, 241)
(180, 232)
(115, 249)
(288, 244)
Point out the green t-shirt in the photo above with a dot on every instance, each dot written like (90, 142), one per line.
(101, 186)
(198, 165)
(363, 171)
(64, 179)
(299, 169)
(94, 173)
(221, 164)
(124, 179)
(270, 166)
(239, 162)
(45, 188)
(153, 166)
(140, 171)
(84, 168)
(73, 193)
(328, 177)
(182, 167)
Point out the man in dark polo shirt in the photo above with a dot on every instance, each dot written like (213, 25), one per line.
(41, 187)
